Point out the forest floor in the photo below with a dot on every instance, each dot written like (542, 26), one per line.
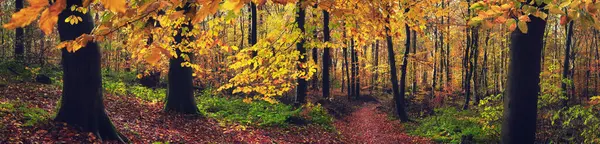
(369, 125)
(145, 122)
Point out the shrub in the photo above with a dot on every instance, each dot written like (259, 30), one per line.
(260, 113)
(148, 94)
(583, 119)
(449, 125)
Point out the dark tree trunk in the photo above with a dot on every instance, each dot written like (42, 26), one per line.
(474, 66)
(376, 56)
(520, 102)
(414, 66)
(253, 29)
(302, 84)
(352, 70)
(180, 94)
(355, 83)
(404, 64)
(81, 102)
(19, 36)
(315, 54)
(398, 97)
(436, 47)
(566, 63)
(326, 55)
(356, 75)
(349, 87)
(485, 64)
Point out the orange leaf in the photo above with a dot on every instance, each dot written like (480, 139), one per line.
(50, 16)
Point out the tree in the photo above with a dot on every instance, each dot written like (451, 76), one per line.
(302, 83)
(404, 65)
(566, 63)
(253, 26)
(398, 97)
(19, 36)
(520, 103)
(326, 55)
(81, 102)
(180, 95)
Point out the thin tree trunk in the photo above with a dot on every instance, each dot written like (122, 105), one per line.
(302, 84)
(566, 63)
(404, 63)
(19, 36)
(398, 97)
(326, 56)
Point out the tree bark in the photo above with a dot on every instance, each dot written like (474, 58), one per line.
(253, 29)
(326, 55)
(180, 94)
(302, 84)
(404, 65)
(398, 97)
(520, 102)
(19, 36)
(566, 63)
(315, 54)
(82, 103)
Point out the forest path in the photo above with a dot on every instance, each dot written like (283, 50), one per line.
(368, 125)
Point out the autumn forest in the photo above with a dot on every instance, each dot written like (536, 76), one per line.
(300, 71)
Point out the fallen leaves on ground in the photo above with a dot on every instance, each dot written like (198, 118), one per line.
(141, 122)
(367, 125)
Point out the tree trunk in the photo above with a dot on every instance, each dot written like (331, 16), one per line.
(414, 66)
(180, 95)
(376, 65)
(349, 87)
(520, 102)
(404, 65)
(474, 66)
(315, 54)
(82, 103)
(566, 63)
(326, 55)
(253, 29)
(398, 98)
(355, 70)
(302, 84)
(352, 70)
(19, 36)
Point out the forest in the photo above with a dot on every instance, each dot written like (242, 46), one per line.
(300, 71)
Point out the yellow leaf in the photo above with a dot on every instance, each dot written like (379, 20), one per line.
(523, 27)
(26, 15)
(154, 56)
(50, 16)
(118, 6)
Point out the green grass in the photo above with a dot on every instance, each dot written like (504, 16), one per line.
(449, 125)
(260, 113)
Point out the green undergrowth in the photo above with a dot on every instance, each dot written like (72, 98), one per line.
(124, 83)
(31, 115)
(259, 113)
(450, 125)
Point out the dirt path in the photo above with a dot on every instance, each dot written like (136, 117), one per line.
(367, 125)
